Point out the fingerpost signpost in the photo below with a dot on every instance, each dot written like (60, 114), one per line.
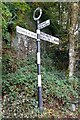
(43, 36)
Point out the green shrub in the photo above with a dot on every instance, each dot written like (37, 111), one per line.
(54, 82)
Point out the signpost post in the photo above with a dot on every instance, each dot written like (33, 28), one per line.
(40, 102)
(39, 35)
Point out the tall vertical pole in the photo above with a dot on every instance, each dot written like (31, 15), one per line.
(40, 103)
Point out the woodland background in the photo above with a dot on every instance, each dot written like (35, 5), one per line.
(60, 64)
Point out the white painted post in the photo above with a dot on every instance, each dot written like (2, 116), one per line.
(40, 102)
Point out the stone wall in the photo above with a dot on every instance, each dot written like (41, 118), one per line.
(24, 45)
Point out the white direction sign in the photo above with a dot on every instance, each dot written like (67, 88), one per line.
(26, 32)
(44, 24)
(43, 35)
(49, 38)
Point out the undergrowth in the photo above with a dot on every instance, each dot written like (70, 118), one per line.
(20, 87)
(54, 83)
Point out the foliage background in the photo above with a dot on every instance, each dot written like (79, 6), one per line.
(19, 77)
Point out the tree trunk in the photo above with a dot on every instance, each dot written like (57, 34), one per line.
(78, 46)
(60, 12)
(72, 37)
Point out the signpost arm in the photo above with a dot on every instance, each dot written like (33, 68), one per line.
(40, 103)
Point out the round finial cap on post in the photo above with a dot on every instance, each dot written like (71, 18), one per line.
(34, 14)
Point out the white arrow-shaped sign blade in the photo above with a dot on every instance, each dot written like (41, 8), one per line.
(26, 32)
(43, 35)
(49, 38)
(44, 24)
